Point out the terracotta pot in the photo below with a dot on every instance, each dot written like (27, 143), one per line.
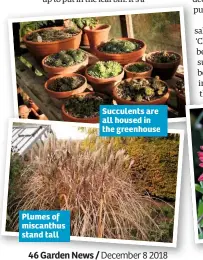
(42, 49)
(84, 41)
(123, 58)
(52, 71)
(145, 74)
(159, 101)
(103, 85)
(65, 94)
(97, 35)
(68, 117)
(164, 70)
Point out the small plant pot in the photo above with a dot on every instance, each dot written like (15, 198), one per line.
(181, 103)
(145, 74)
(41, 49)
(65, 94)
(123, 58)
(159, 101)
(97, 35)
(52, 71)
(103, 85)
(164, 70)
(84, 40)
(67, 117)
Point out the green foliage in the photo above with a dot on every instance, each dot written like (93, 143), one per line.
(141, 89)
(50, 35)
(119, 46)
(105, 69)
(155, 162)
(66, 58)
(163, 57)
(82, 22)
(66, 83)
(26, 27)
(85, 106)
(138, 67)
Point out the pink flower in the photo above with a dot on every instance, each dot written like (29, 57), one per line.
(201, 159)
(201, 148)
(200, 154)
(201, 165)
(200, 177)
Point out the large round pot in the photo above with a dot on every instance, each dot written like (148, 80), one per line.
(65, 94)
(97, 35)
(164, 70)
(70, 118)
(103, 85)
(42, 49)
(52, 71)
(145, 74)
(123, 58)
(159, 101)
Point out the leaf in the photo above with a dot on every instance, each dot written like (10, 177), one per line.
(199, 188)
(200, 211)
(201, 236)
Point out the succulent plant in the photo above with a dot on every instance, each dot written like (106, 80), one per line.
(82, 22)
(139, 90)
(85, 106)
(138, 67)
(66, 58)
(50, 35)
(105, 69)
(119, 46)
(66, 84)
(163, 57)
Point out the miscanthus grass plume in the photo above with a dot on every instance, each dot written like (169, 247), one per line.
(95, 185)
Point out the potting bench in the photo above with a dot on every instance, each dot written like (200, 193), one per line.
(31, 77)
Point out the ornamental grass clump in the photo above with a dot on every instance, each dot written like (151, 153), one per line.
(66, 84)
(66, 58)
(50, 35)
(119, 46)
(105, 69)
(85, 106)
(163, 57)
(141, 89)
(96, 186)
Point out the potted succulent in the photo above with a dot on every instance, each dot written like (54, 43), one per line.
(123, 50)
(66, 61)
(141, 91)
(180, 93)
(165, 63)
(50, 40)
(138, 69)
(103, 75)
(84, 107)
(63, 86)
(82, 23)
(97, 34)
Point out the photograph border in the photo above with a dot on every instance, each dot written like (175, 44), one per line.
(89, 239)
(101, 14)
(192, 173)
